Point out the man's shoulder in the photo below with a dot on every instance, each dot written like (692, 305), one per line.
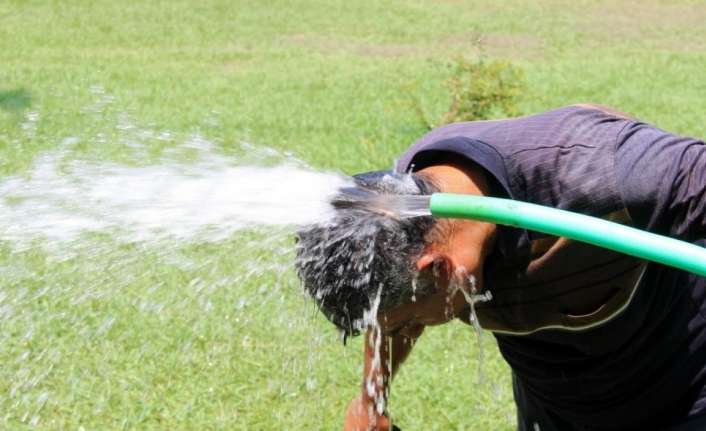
(579, 125)
(605, 109)
(538, 116)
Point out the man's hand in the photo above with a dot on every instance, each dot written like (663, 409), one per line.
(379, 367)
(363, 416)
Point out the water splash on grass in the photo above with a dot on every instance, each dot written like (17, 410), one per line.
(209, 198)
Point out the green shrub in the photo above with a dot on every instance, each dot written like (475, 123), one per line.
(483, 89)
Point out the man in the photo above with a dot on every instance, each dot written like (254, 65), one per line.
(596, 340)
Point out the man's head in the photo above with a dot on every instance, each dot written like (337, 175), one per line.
(364, 256)
(409, 270)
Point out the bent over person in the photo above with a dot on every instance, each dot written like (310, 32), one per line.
(596, 340)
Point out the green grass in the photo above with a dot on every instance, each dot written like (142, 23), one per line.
(115, 336)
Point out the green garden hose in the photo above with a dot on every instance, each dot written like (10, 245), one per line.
(592, 230)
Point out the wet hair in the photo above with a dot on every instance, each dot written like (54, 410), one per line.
(363, 256)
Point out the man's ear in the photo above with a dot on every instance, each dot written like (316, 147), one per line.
(438, 265)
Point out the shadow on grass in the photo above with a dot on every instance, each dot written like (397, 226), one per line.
(15, 100)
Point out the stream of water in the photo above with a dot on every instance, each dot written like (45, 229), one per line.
(209, 198)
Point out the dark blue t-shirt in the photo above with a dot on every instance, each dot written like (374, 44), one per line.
(596, 340)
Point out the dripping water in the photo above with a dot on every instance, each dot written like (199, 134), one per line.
(472, 299)
(374, 379)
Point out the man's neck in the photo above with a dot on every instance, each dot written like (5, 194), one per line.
(468, 241)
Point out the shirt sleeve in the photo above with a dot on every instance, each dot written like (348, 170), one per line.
(662, 179)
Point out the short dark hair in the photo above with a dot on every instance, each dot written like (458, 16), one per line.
(344, 264)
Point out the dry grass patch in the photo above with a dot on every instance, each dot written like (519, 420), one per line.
(468, 44)
(503, 45)
(334, 45)
(655, 25)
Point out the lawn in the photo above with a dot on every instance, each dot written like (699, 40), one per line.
(100, 334)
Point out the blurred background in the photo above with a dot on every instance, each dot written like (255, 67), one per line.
(102, 333)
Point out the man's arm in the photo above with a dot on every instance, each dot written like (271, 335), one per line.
(383, 356)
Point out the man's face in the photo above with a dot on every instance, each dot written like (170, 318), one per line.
(455, 254)
(441, 306)
(449, 266)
